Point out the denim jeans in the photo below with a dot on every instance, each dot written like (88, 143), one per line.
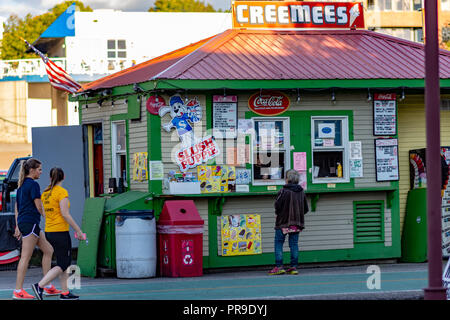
(293, 245)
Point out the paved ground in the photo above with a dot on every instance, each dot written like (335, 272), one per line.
(397, 282)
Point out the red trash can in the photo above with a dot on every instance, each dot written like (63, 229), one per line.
(180, 237)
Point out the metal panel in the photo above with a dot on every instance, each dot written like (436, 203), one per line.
(63, 147)
(272, 54)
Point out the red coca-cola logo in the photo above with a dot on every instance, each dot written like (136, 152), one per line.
(268, 103)
(384, 96)
(154, 103)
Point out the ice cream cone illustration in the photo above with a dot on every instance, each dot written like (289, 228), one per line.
(354, 13)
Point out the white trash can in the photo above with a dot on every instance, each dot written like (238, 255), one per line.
(135, 244)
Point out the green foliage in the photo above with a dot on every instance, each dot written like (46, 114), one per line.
(181, 6)
(30, 28)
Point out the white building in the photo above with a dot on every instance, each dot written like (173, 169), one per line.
(90, 45)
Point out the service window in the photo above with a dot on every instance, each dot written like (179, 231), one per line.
(270, 150)
(119, 150)
(329, 149)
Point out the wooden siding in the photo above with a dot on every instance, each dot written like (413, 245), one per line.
(329, 227)
(412, 135)
(137, 135)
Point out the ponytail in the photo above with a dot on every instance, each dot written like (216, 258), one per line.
(25, 167)
(56, 176)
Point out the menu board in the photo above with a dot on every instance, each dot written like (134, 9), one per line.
(241, 234)
(386, 155)
(384, 115)
(224, 116)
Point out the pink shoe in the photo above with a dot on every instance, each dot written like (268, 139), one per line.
(277, 271)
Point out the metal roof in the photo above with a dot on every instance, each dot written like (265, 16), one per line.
(296, 55)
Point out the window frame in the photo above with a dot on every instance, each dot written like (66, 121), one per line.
(114, 152)
(286, 149)
(344, 148)
(116, 49)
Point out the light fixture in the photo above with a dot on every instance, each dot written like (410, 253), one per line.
(402, 97)
(112, 103)
(136, 88)
(100, 102)
(224, 92)
(298, 95)
(106, 92)
(369, 96)
(333, 96)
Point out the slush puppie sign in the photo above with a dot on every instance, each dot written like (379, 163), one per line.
(297, 14)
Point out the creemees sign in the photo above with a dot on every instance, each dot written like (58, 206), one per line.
(297, 14)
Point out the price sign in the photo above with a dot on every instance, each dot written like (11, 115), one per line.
(384, 115)
(224, 117)
(386, 155)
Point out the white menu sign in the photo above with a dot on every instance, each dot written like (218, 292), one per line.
(384, 114)
(386, 155)
(224, 116)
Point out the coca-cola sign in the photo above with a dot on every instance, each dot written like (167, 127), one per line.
(154, 103)
(268, 103)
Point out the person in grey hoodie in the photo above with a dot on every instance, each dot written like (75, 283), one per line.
(290, 209)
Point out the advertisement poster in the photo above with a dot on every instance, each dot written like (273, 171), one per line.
(386, 155)
(241, 234)
(356, 160)
(140, 166)
(356, 168)
(299, 161)
(216, 179)
(243, 176)
(156, 170)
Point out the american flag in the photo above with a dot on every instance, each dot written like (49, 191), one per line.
(58, 78)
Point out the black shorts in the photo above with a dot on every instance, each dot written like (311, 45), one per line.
(62, 247)
(27, 229)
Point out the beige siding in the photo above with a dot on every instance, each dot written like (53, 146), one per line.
(137, 135)
(412, 135)
(202, 207)
(329, 227)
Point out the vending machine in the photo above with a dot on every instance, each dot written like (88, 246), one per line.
(418, 179)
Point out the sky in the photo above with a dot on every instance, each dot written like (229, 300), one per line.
(35, 7)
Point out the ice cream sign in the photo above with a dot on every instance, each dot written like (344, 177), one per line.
(297, 14)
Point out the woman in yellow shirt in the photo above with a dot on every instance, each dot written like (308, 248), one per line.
(56, 204)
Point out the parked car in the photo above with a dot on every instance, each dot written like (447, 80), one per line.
(8, 186)
(3, 174)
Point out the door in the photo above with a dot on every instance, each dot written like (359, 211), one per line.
(63, 147)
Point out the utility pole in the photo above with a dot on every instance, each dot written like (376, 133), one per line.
(435, 290)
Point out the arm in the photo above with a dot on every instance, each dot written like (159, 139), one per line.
(279, 201)
(17, 233)
(39, 206)
(64, 206)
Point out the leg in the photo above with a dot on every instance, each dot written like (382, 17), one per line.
(279, 241)
(63, 277)
(50, 276)
(28, 245)
(293, 245)
(47, 251)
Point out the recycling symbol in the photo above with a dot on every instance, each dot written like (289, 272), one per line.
(188, 259)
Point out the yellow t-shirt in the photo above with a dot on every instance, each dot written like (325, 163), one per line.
(54, 221)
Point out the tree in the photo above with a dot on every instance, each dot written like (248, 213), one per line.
(181, 6)
(30, 28)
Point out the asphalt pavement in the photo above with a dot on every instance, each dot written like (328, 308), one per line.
(394, 281)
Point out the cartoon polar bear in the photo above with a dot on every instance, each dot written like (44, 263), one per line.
(181, 116)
